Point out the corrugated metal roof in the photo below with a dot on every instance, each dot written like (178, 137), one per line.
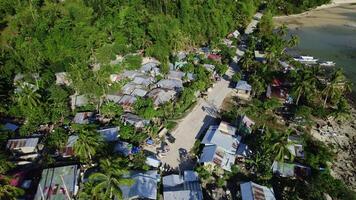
(253, 191)
(22, 142)
(243, 85)
(109, 134)
(145, 185)
(55, 181)
(188, 187)
(10, 127)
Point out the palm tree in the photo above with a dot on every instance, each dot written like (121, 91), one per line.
(294, 41)
(336, 87)
(305, 85)
(280, 147)
(282, 30)
(342, 111)
(27, 96)
(111, 109)
(87, 144)
(5, 165)
(108, 182)
(247, 60)
(8, 191)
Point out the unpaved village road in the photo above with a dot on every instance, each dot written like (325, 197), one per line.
(195, 123)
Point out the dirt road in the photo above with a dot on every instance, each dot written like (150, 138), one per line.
(195, 123)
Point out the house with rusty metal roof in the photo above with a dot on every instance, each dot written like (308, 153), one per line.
(253, 191)
(23, 145)
(161, 96)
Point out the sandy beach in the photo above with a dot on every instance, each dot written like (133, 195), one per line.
(331, 14)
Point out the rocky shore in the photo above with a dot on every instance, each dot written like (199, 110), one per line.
(342, 137)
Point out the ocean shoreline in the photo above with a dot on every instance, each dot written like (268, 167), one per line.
(334, 3)
(321, 17)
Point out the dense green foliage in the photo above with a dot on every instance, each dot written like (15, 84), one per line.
(83, 37)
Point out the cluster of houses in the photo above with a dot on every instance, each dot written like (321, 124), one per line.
(62, 180)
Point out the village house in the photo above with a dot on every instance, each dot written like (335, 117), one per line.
(113, 97)
(171, 84)
(290, 170)
(260, 56)
(10, 127)
(127, 102)
(214, 57)
(253, 24)
(143, 80)
(27, 78)
(234, 34)
(150, 66)
(109, 134)
(84, 117)
(221, 145)
(242, 152)
(178, 75)
(128, 88)
(68, 150)
(286, 66)
(131, 74)
(279, 91)
(243, 90)
(138, 92)
(161, 96)
(244, 125)
(62, 78)
(23, 145)
(58, 183)
(296, 147)
(253, 191)
(152, 161)
(144, 187)
(78, 101)
(209, 67)
(134, 120)
(182, 187)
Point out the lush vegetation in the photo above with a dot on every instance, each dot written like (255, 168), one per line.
(82, 37)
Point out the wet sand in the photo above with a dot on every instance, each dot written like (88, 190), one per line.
(335, 16)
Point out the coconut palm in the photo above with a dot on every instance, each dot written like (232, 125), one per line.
(111, 109)
(247, 60)
(108, 181)
(8, 191)
(280, 147)
(27, 96)
(342, 111)
(87, 144)
(336, 87)
(305, 85)
(282, 30)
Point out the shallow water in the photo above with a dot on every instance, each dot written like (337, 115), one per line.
(331, 42)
